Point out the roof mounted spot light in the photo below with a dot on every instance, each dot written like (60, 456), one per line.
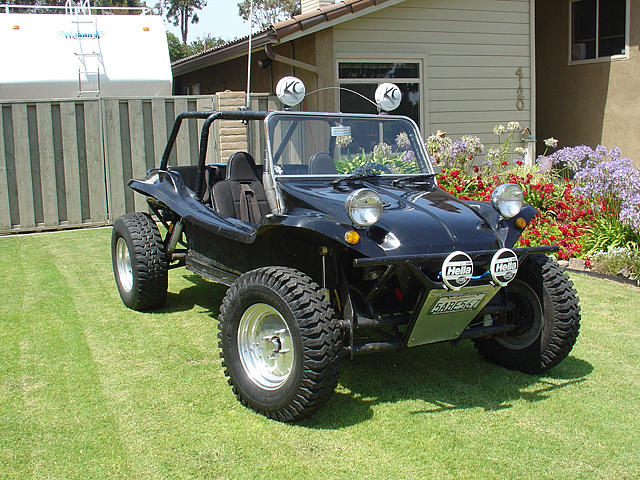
(290, 91)
(388, 96)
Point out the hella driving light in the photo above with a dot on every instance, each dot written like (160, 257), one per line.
(364, 207)
(507, 199)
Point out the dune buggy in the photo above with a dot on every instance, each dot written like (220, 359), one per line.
(338, 243)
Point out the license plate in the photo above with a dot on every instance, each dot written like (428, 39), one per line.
(463, 302)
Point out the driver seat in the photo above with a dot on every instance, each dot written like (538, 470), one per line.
(241, 195)
(321, 163)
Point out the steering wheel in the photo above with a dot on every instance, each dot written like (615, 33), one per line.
(372, 167)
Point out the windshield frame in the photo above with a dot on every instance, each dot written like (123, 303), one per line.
(363, 116)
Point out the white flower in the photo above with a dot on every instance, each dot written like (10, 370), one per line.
(343, 140)
(493, 153)
(513, 126)
(402, 140)
(520, 150)
(551, 142)
(499, 129)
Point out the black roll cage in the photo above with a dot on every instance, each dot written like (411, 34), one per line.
(209, 117)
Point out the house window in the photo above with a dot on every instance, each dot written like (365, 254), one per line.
(364, 78)
(598, 29)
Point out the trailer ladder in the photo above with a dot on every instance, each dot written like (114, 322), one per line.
(88, 50)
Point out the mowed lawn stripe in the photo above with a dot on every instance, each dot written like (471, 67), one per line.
(15, 432)
(71, 432)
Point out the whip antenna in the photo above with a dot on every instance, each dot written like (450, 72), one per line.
(249, 56)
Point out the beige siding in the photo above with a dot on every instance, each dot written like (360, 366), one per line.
(470, 51)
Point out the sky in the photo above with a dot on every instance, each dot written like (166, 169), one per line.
(219, 18)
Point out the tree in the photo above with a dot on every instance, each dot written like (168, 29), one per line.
(182, 13)
(266, 12)
(178, 50)
(205, 43)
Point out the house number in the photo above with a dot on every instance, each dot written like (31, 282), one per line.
(520, 97)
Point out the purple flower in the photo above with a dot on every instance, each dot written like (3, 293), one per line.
(408, 156)
(606, 176)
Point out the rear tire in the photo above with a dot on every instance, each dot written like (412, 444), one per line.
(280, 344)
(547, 340)
(139, 262)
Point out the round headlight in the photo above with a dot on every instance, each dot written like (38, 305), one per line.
(507, 199)
(364, 207)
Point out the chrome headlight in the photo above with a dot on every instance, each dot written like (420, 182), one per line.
(364, 207)
(507, 199)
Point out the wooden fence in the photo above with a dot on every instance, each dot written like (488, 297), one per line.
(66, 163)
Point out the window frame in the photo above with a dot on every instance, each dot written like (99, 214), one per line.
(419, 80)
(609, 58)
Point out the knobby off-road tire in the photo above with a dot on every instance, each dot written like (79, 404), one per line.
(139, 262)
(560, 321)
(280, 343)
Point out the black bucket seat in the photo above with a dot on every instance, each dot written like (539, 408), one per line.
(241, 195)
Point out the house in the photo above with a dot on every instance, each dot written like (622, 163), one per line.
(463, 66)
(588, 72)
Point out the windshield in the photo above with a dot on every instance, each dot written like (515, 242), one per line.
(344, 145)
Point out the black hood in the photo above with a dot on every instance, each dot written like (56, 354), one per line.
(422, 220)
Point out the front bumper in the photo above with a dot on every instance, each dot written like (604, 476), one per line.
(428, 325)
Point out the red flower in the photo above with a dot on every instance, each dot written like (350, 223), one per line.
(504, 163)
(587, 262)
(476, 169)
(519, 162)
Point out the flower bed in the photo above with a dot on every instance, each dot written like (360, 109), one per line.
(596, 213)
(563, 219)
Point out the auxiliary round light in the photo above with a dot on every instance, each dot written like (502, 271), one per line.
(507, 199)
(388, 96)
(290, 91)
(364, 207)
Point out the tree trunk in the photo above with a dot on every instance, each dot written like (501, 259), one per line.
(184, 25)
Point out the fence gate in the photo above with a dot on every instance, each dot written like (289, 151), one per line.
(66, 163)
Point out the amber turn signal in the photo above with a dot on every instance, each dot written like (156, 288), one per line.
(16, 27)
(145, 29)
(352, 237)
(521, 223)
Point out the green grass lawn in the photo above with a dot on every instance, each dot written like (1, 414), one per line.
(89, 389)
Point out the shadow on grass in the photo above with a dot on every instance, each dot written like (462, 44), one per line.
(202, 293)
(441, 378)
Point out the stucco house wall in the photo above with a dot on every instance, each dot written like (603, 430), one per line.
(588, 103)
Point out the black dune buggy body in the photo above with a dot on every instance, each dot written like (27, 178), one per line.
(313, 280)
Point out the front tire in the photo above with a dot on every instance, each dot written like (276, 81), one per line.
(139, 262)
(280, 344)
(548, 314)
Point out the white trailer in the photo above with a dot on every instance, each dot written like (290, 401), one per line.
(81, 54)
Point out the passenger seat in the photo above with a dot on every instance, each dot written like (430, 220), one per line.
(241, 195)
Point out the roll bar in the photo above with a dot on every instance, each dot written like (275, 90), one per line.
(209, 117)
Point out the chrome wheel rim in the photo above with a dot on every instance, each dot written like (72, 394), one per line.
(265, 346)
(123, 263)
